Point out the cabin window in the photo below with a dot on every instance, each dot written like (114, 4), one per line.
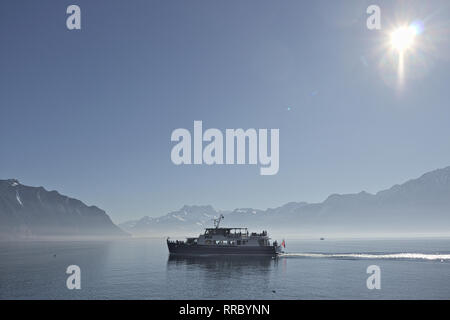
(239, 242)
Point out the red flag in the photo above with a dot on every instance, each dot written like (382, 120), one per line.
(283, 244)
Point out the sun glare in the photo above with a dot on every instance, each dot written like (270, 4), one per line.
(403, 38)
(402, 41)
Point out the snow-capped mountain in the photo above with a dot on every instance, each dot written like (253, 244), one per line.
(33, 211)
(186, 219)
(420, 205)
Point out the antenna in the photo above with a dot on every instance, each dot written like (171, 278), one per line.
(217, 221)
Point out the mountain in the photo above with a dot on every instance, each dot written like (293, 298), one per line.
(418, 206)
(186, 219)
(35, 212)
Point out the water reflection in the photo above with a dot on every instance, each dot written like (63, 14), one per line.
(219, 277)
(222, 262)
(223, 266)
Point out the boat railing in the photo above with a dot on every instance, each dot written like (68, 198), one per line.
(175, 241)
(188, 241)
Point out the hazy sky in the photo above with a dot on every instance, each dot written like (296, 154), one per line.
(90, 113)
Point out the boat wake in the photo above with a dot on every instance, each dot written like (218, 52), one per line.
(405, 256)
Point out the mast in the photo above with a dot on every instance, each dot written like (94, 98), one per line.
(217, 221)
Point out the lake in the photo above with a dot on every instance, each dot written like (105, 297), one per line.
(143, 269)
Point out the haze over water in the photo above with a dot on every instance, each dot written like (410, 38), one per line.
(142, 269)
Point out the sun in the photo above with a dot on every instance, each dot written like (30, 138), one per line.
(402, 39)
(403, 42)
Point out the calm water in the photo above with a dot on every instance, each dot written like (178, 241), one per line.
(142, 269)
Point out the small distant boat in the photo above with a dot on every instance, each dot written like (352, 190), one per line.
(322, 238)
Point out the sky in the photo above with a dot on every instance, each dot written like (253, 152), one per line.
(90, 112)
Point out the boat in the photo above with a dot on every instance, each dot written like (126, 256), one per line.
(225, 241)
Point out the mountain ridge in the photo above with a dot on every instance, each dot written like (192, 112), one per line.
(29, 212)
(418, 205)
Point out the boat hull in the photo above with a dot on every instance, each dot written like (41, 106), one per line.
(185, 249)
